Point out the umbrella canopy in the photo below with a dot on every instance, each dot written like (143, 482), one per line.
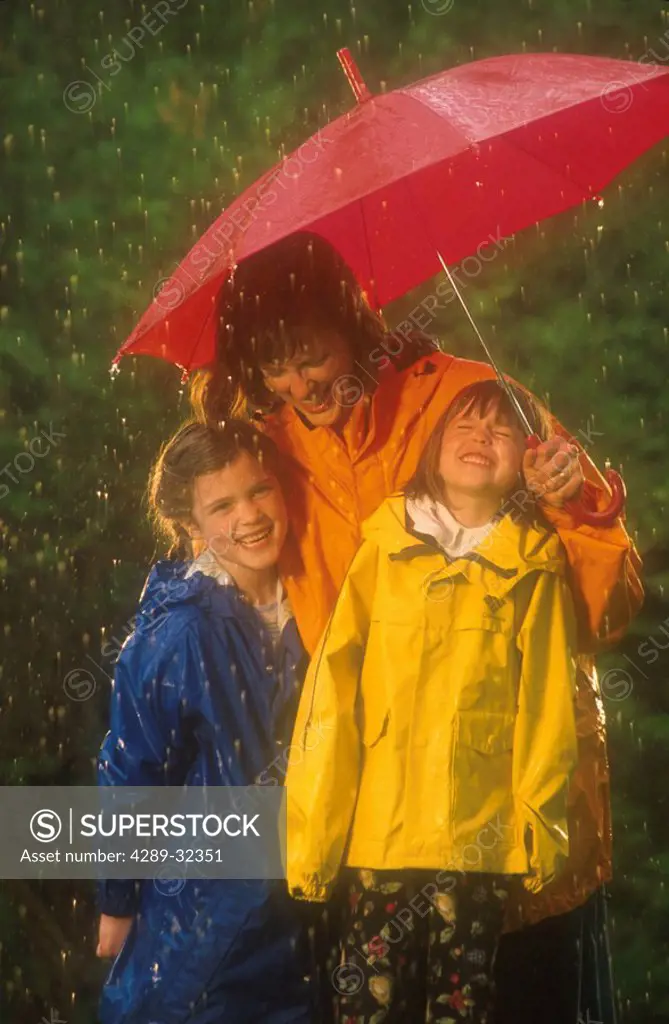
(450, 165)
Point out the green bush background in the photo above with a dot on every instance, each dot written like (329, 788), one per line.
(96, 205)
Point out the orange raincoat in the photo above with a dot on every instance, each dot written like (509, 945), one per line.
(337, 481)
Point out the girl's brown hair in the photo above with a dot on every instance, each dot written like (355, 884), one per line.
(196, 449)
(481, 397)
(268, 311)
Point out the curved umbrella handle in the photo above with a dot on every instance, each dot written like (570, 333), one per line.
(607, 516)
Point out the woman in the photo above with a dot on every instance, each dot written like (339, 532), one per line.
(352, 406)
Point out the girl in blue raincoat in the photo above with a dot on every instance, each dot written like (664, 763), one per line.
(205, 693)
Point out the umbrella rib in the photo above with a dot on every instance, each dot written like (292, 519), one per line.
(196, 344)
(506, 138)
(368, 248)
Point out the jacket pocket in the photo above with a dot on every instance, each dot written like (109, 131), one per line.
(483, 669)
(482, 774)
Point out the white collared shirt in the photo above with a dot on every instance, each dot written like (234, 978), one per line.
(434, 519)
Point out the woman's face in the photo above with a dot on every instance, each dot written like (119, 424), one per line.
(240, 514)
(314, 380)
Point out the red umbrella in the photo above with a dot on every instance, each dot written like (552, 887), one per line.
(440, 168)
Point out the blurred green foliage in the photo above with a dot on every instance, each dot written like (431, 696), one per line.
(116, 153)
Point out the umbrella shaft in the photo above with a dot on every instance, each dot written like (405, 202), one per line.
(500, 377)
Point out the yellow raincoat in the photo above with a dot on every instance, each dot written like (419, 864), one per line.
(437, 725)
(337, 482)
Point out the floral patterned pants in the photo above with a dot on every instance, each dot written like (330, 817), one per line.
(419, 946)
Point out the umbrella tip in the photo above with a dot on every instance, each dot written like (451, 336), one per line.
(353, 75)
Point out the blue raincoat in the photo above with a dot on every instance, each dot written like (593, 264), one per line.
(200, 697)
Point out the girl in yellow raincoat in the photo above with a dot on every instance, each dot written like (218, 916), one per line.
(437, 729)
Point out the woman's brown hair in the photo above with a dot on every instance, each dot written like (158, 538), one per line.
(481, 397)
(194, 450)
(268, 311)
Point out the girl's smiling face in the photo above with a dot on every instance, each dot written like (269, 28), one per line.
(308, 381)
(240, 514)
(481, 455)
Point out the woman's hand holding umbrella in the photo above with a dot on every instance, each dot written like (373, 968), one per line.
(553, 472)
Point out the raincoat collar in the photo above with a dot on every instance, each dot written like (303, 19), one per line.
(355, 437)
(511, 549)
(207, 564)
(434, 519)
